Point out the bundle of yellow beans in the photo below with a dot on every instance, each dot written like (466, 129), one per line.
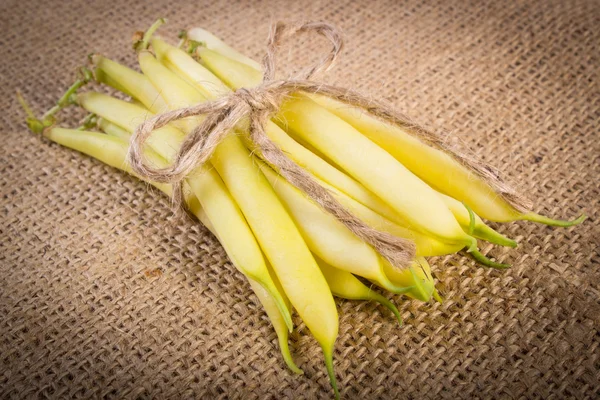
(294, 254)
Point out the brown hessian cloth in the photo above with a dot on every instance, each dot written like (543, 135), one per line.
(105, 292)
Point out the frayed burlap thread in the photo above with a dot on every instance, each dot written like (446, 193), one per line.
(252, 107)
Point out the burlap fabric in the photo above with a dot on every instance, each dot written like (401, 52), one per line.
(104, 292)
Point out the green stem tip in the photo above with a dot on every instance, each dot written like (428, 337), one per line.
(533, 217)
(471, 219)
(89, 122)
(329, 365)
(188, 45)
(488, 234)
(38, 125)
(388, 304)
(473, 251)
(437, 297)
(85, 76)
(183, 36)
(287, 355)
(33, 123)
(144, 42)
(483, 260)
(26, 107)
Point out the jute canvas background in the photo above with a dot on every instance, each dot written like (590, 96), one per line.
(105, 292)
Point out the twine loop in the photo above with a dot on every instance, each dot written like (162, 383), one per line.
(255, 100)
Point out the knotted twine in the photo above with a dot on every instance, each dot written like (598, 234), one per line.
(253, 107)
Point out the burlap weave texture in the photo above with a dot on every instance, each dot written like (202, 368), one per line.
(104, 292)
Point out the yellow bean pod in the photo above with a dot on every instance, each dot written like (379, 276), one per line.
(112, 149)
(229, 222)
(328, 238)
(426, 246)
(294, 265)
(187, 68)
(440, 170)
(473, 225)
(345, 285)
(411, 198)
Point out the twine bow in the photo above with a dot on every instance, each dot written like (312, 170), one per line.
(255, 106)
